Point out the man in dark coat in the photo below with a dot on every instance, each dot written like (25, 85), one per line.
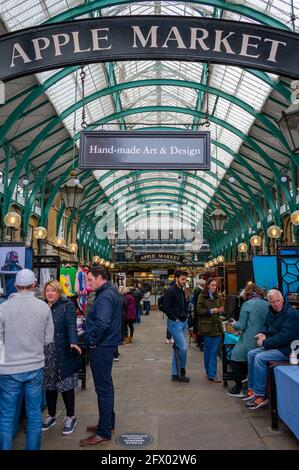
(282, 327)
(103, 335)
(175, 307)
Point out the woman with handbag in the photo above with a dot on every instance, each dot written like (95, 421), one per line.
(209, 309)
(62, 358)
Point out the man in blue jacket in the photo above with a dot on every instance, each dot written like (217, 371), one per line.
(103, 335)
(282, 327)
(175, 307)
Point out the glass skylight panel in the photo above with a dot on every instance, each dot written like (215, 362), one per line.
(22, 14)
(180, 96)
(58, 6)
(280, 9)
(169, 8)
(239, 118)
(185, 70)
(18, 14)
(100, 107)
(231, 140)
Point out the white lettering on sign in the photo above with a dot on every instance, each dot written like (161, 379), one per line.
(200, 40)
(146, 150)
(172, 38)
(97, 39)
(143, 41)
(274, 49)
(177, 37)
(59, 41)
(220, 41)
(246, 44)
(39, 45)
(184, 151)
(77, 48)
(18, 52)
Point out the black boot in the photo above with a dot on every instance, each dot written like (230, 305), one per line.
(183, 377)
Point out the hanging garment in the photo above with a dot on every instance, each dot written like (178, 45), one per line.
(66, 285)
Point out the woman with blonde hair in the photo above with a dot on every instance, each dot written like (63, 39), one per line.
(62, 358)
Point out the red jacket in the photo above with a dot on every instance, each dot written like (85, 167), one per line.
(131, 307)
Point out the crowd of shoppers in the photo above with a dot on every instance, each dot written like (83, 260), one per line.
(41, 357)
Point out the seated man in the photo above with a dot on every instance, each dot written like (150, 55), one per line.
(281, 328)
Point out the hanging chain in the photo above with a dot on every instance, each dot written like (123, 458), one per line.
(206, 121)
(75, 120)
(83, 76)
(216, 147)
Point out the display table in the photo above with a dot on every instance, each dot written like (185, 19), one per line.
(287, 387)
(230, 338)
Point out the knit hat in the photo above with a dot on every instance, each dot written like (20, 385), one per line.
(25, 278)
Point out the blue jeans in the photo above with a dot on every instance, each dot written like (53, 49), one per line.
(178, 329)
(138, 313)
(146, 306)
(101, 360)
(258, 359)
(12, 388)
(211, 344)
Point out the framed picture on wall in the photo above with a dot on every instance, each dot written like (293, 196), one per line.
(12, 258)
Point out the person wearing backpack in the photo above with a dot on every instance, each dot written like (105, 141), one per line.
(175, 307)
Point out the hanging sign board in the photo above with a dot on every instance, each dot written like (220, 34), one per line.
(145, 150)
(185, 38)
(148, 257)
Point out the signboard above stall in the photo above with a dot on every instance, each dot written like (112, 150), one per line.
(149, 257)
(145, 150)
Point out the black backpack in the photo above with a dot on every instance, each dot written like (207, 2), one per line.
(161, 302)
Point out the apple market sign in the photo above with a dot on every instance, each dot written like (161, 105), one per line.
(57, 45)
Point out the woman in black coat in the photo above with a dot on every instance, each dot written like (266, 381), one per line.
(62, 358)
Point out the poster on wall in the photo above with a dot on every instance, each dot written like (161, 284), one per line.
(12, 259)
(265, 271)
